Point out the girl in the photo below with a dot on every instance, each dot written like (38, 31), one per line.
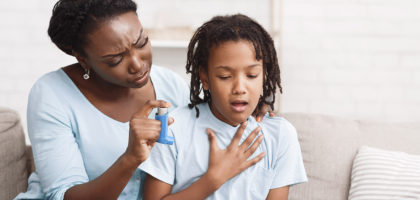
(233, 60)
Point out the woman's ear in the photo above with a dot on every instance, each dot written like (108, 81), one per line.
(81, 59)
(204, 78)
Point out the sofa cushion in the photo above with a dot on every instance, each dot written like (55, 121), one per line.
(329, 145)
(382, 174)
(13, 162)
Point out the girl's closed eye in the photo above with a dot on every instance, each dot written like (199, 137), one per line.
(252, 76)
(223, 77)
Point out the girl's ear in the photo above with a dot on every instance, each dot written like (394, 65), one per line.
(204, 78)
(81, 59)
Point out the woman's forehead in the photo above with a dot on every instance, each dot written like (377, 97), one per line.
(114, 35)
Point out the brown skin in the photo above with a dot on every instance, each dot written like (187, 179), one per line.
(119, 58)
(233, 75)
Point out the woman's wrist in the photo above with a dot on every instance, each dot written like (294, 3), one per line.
(130, 160)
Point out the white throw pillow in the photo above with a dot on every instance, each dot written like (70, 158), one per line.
(383, 174)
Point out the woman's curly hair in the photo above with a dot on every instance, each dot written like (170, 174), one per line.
(232, 28)
(71, 20)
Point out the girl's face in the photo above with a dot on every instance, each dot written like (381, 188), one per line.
(235, 80)
(119, 51)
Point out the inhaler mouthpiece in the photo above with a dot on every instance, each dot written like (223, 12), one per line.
(162, 111)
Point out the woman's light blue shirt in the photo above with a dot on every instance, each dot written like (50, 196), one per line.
(73, 142)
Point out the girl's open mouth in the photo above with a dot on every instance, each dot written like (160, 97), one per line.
(239, 106)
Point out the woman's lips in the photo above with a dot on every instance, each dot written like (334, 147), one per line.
(238, 106)
(142, 78)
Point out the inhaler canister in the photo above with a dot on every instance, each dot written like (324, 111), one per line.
(162, 116)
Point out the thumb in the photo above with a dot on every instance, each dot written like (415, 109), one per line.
(212, 139)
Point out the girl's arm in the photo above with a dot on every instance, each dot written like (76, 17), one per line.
(143, 133)
(278, 193)
(223, 165)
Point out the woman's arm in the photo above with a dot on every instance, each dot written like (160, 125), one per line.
(223, 165)
(278, 193)
(143, 133)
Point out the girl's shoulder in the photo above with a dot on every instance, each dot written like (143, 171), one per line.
(279, 126)
(279, 132)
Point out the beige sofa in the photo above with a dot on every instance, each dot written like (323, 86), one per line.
(328, 144)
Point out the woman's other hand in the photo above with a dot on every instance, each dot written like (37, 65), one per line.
(259, 114)
(144, 131)
(227, 163)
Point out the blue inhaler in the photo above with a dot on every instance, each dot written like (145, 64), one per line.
(162, 116)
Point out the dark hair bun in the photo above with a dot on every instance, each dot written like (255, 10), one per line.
(71, 20)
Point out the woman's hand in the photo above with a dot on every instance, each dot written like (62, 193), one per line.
(227, 163)
(144, 131)
(262, 111)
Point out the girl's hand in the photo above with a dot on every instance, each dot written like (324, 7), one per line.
(144, 131)
(227, 163)
(261, 112)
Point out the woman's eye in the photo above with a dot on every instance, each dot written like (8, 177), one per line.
(253, 76)
(115, 62)
(142, 44)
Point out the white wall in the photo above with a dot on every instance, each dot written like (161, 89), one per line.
(352, 58)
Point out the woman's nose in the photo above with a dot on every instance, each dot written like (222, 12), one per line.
(136, 65)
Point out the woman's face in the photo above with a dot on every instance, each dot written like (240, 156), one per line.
(119, 51)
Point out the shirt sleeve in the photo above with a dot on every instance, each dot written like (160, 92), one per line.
(183, 91)
(289, 168)
(161, 162)
(57, 157)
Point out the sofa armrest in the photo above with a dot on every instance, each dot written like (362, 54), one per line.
(30, 165)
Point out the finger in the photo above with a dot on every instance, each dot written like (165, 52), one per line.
(255, 160)
(212, 139)
(171, 120)
(139, 125)
(254, 146)
(238, 135)
(250, 138)
(145, 110)
(147, 135)
(261, 112)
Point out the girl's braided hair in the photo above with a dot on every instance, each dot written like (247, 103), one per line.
(72, 20)
(232, 28)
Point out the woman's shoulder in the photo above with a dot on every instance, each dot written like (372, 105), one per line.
(50, 81)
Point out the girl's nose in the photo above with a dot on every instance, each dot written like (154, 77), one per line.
(239, 86)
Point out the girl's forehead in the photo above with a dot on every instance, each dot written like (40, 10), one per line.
(233, 54)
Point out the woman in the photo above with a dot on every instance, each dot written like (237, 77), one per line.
(89, 122)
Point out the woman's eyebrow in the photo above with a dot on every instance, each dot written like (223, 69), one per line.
(118, 54)
(138, 39)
